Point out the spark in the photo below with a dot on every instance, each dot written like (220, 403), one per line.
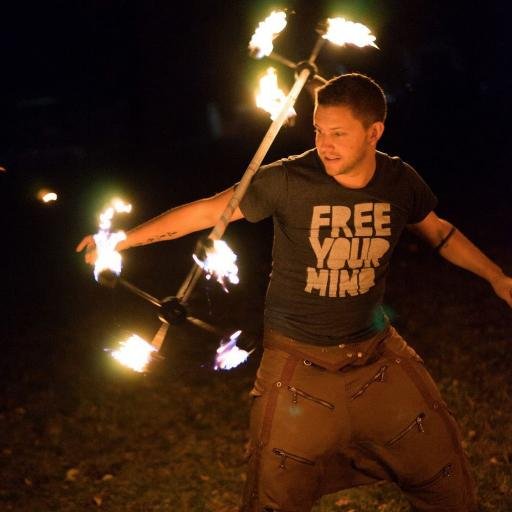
(270, 97)
(229, 355)
(220, 263)
(341, 31)
(267, 30)
(135, 353)
(106, 241)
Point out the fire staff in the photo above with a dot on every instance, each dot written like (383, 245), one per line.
(340, 399)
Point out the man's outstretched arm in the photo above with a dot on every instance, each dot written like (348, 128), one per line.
(173, 223)
(459, 250)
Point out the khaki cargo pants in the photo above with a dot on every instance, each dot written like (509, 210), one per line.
(331, 418)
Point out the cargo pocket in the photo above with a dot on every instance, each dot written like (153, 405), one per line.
(378, 377)
(444, 472)
(296, 393)
(415, 425)
(284, 456)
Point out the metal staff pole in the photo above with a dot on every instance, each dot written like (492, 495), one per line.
(171, 310)
(292, 65)
(141, 293)
(306, 70)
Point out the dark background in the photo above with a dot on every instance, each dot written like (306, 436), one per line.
(154, 104)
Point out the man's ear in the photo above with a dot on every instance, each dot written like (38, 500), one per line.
(375, 132)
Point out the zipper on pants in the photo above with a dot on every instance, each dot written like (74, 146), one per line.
(444, 472)
(298, 392)
(416, 423)
(378, 377)
(287, 455)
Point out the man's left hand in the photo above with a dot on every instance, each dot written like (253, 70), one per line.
(503, 288)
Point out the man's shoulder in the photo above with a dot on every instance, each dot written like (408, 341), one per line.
(395, 166)
(308, 159)
(399, 177)
(391, 162)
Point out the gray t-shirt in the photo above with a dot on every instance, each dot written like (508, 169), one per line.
(332, 244)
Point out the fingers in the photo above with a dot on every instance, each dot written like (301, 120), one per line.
(90, 256)
(504, 290)
(87, 242)
(508, 297)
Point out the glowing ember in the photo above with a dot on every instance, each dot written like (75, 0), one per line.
(269, 97)
(46, 196)
(341, 31)
(219, 262)
(50, 196)
(229, 355)
(135, 353)
(261, 41)
(107, 256)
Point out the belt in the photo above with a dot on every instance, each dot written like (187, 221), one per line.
(333, 358)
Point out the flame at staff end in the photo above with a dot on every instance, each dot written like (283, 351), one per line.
(229, 356)
(107, 256)
(261, 41)
(219, 262)
(134, 353)
(270, 97)
(341, 31)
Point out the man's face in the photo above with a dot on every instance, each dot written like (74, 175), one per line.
(342, 141)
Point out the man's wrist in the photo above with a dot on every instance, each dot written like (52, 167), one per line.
(495, 275)
(122, 245)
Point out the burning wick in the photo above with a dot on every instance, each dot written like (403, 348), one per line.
(107, 256)
(229, 355)
(135, 353)
(341, 31)
(219, 262)
(260, 44)
(270, 97)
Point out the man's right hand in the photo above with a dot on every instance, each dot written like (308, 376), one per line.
(89, 245)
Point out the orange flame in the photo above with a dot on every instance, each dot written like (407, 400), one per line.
(341, 31)
(135, 353)
(107, 256)
(229, 355)
(219, 262)
(261, 41)
(270, 97)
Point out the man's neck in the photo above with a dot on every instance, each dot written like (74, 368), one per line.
(361, 175)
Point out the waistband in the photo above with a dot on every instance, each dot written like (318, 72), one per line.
(332, 358)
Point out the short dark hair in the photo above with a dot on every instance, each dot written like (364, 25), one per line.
(360, 93)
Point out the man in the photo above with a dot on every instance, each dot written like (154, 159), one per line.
(340, 399)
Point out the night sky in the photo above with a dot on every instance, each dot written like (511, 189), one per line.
(155, 104)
